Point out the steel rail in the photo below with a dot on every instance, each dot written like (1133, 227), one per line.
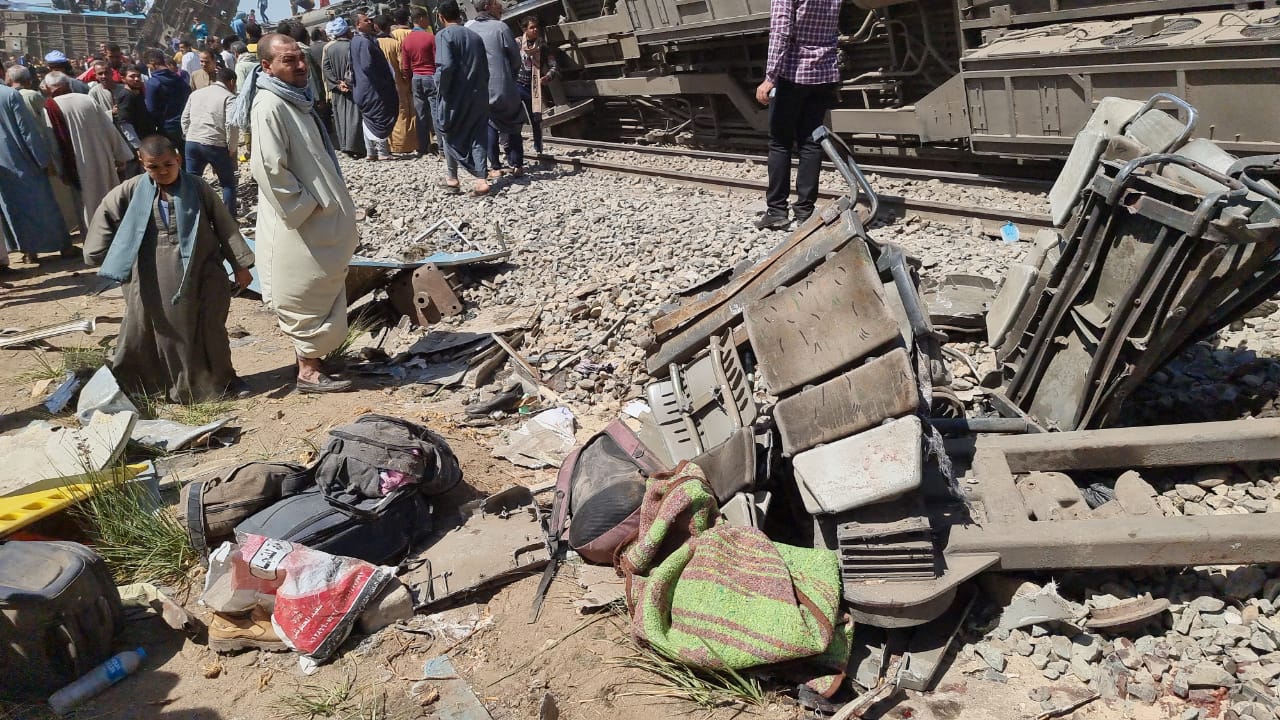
(1018, 184)
(890, 205)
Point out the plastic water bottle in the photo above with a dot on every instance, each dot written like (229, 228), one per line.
(1009, 233)
(96, 680)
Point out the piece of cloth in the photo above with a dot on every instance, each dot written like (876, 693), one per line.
(374, 87)
(180, 348)
(462, 98)
(404, 136)
(721, 597)
(306, 229)
(199, 156)
(378, 148)
(802, 41)
(98, 148)
(424, 92)
(418, 52)
(205, 119)
(506, 113)
(166, 95)
(129, 233)
(337, 27)
(795, 112)
(336, 65)
(33, 222)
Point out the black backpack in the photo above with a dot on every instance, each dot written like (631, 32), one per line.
(361, 458)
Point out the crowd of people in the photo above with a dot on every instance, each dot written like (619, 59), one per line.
(115, 150)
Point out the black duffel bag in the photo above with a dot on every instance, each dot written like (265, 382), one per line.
(381, 531)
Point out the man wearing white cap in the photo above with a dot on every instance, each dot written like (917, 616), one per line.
(57, 60)
(339, 83)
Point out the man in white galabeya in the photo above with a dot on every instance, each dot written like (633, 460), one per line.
(306, 230)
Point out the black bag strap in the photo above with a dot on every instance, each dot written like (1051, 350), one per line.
(196, 529)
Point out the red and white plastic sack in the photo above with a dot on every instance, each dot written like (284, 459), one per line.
(315, 598)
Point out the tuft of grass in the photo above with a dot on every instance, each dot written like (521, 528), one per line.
(139, 541)
(317, 701)
(87, 358)
(45, 369)
(198, 413)
(361, 324)
(71, 359)
(708, 688)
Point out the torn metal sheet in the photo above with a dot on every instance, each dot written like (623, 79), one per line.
(1026, 603)
(1126, 614)
(864, 397)
(15, 338)
(457, 701)
(439, 341)
(831, 318)
(440, 259)
(499, 540)
(102, 394)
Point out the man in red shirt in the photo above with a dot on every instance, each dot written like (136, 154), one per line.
(418, 58)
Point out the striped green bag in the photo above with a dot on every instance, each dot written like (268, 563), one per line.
(718, 597)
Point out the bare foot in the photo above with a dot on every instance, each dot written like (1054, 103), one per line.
(480, 188)
(309, 370)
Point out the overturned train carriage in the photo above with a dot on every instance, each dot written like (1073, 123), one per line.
(1000, 77)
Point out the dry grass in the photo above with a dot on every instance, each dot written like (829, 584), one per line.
(139, 541)
(707, 688)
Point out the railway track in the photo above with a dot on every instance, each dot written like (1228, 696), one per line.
(891, 206)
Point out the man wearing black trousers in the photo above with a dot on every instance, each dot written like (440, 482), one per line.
(799, 87)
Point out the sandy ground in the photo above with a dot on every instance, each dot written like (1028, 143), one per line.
(510, 664)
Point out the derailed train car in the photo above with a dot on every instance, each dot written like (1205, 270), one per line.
(1015, 78)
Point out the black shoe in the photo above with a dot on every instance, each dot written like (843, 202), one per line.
(325, 385)
(802, 218)
(772, 221)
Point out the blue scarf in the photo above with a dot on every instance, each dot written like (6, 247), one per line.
(118, 264)
(300, 97)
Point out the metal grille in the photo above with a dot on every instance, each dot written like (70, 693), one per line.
(887, 541)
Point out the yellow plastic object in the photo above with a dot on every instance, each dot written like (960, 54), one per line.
(19, 511)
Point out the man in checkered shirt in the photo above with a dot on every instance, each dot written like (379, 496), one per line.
(799, 87)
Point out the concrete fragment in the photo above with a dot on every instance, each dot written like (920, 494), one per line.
(1087, 648)
(1061, 647)
(1144, 692)
(1209, 675)
(1039, 694)
(1187, 491)
(990, 655)
(1136, 495)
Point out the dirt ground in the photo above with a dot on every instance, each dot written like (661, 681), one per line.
(509, 663)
